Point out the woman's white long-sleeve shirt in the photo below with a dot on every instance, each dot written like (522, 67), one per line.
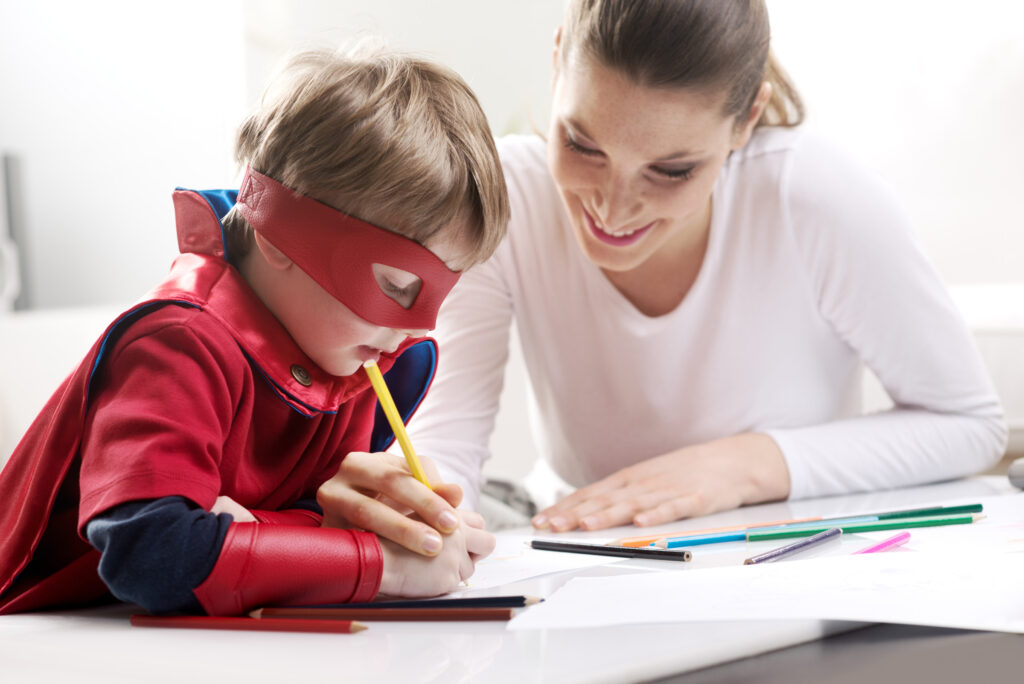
(810, 270)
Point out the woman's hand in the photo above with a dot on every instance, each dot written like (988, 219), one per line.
(685, 483)
(377, 493)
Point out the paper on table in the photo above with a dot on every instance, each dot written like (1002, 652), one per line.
(513, 560)
(983, 591)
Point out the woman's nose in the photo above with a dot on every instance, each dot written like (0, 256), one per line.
(617, 204)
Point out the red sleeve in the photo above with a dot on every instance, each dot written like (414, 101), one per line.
(162, 403)
(261, 565)
(291, 516)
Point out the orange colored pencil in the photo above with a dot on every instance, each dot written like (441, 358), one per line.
(650, 539)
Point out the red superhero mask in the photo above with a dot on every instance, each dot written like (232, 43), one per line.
(339, 251)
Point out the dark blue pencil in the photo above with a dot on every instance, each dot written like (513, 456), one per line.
(795, 547)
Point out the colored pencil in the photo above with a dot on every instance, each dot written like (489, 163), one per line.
(395, 420)
(384, 614)
(897, 524)
(246, 623)
(887, 544)
(801, 531)
(462, 602)
(603, 550)
(819, 522)
(701, 539)
(795, 547)
(649, 539)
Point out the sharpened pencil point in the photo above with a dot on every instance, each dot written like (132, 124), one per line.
(357, 626)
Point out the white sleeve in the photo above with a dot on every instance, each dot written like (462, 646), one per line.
(882, 296)
(454, 423)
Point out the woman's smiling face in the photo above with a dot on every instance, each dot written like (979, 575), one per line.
(635, 165)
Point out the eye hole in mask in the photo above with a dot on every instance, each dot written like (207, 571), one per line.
(398, 285)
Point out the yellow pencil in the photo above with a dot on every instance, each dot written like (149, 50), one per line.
(391, 411)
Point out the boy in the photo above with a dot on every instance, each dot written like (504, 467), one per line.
(188, 447)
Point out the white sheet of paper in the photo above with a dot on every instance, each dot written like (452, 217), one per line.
(969, 591)
(513, 560)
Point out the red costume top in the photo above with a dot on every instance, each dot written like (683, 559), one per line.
(197, 391)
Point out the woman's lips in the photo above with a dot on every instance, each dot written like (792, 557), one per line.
(617, 241)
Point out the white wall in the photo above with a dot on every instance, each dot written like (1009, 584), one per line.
(931, 94)
(106, 106)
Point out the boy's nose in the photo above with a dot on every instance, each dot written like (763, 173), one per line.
(402, 333)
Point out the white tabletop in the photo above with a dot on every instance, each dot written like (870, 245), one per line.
(100, 646)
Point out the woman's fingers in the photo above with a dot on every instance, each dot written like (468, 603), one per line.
(386, 477)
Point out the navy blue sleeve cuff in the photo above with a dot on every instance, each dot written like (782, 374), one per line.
(155, 552)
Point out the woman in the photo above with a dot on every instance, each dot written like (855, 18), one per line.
(697, 283)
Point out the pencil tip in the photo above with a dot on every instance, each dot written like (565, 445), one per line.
(258, 613)
(530, 600)
(357, 626)
(661, 544)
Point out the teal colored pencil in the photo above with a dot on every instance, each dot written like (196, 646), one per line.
(897, 524)
(935, 510)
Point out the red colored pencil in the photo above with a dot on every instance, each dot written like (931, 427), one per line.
(247, 623)
(383, 614)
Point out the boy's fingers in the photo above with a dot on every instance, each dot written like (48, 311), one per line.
(479, 543)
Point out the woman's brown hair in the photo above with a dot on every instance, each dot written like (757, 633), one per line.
(713, 45)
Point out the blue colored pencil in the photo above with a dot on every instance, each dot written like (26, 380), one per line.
(698, 539)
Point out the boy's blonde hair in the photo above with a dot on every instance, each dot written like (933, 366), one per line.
(394, 140)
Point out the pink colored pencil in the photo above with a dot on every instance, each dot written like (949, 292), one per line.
(887, 545)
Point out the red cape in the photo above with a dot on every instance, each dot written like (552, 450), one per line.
(44, 562)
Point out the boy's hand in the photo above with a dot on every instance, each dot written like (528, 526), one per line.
(479, 542)
(377, 493)
(225, 504)
(411, 575)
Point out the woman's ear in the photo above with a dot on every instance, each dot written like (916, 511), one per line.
(271, 254)
(743, 131)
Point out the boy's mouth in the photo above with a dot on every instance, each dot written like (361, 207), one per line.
(368, 353)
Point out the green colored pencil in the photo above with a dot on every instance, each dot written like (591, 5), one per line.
(897, 524)
(925, 512)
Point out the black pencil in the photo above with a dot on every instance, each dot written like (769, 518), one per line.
(463, 602)
(602, 550)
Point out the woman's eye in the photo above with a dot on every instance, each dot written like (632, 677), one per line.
(675, 174)
(580, 149)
